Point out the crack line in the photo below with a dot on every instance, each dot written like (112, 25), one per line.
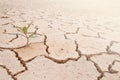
(9, 72)
(67, 33)
(59, 61)
(111, 65)
(45, 43)
(97, 68)
(22, 63)
(16, 37)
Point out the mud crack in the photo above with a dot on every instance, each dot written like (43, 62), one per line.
(108, 48)
(67, 33)
(45, 43)
(22, 63)
(112, 71)
(57, 60)
(97, 68)
(9, 72)
(98, 36)
(16, 37)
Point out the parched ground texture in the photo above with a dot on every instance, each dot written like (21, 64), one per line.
(66, 47)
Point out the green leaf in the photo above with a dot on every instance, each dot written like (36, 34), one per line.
(31, 35)
(34, 36)
(29, 25)
(24, 30)
(18, 28)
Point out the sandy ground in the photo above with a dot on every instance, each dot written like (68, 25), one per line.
(75, 40)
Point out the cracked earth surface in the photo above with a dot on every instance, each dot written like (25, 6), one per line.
(66, 47)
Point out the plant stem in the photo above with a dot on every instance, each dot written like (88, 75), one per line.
(27, 38)
(27, 41)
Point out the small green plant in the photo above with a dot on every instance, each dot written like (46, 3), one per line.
(24, 32)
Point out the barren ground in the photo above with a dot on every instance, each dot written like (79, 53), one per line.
(76, 40)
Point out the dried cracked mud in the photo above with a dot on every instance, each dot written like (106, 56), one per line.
(65, 47)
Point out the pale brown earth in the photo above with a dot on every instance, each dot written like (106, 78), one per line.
(71, 43)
